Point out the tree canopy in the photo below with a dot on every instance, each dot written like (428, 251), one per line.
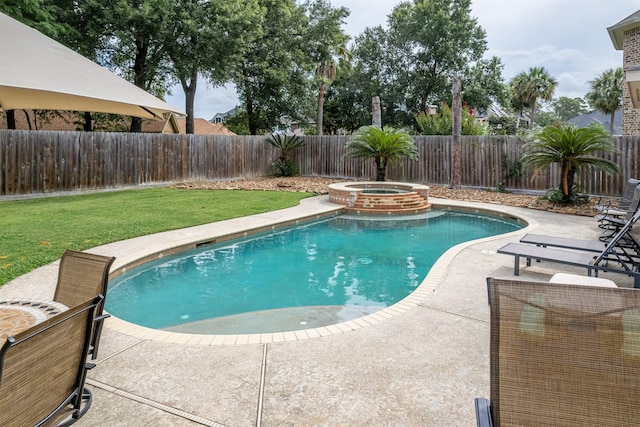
(292, 63)
(206, 39)
(606, 93)
(430, 42)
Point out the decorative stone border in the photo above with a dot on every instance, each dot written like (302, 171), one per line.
(357, 199)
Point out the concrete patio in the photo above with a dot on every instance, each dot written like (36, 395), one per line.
(418, 363)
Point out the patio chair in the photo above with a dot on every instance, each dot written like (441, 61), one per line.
(593, 262)
(609, 221)
(625, 200)
(81, 277)
(43, 370)
(562, 355)
(625, 241)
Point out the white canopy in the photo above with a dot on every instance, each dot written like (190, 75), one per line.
(36, 72)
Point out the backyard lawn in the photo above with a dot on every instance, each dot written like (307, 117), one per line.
(36, 232)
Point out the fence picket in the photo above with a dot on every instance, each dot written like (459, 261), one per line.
(47, 161)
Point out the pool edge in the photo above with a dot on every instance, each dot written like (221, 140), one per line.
(308, 210)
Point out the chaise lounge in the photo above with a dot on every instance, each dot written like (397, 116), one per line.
(593, 262)
(625, 200)
(625, 241)
(613, 223)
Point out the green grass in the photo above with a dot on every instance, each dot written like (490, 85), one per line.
(36, 232)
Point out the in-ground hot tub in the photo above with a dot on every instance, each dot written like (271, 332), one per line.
(381, 197)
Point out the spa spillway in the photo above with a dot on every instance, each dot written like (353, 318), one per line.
(381, 197)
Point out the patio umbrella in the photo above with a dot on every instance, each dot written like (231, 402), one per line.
(36, 72)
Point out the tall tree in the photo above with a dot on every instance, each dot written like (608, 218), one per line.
(606, 93)
(272, 78)
(38, 14)
(86, 35)
(430, 42)
(327, 47)
(349, 99)
(344, 110)
(483, 86)
(519, 95)
(206, 38)
(567, 108)
(533, 85)
(136, 47)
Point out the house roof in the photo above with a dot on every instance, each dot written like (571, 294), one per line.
(70, 121)
(584, 120)
(616, 32)
(230, 113)
(203, 127)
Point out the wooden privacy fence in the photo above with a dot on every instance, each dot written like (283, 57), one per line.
(48, 161)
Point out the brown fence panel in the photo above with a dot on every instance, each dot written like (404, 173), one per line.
(47, 161)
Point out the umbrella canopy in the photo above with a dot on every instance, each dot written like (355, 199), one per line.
(36, 72)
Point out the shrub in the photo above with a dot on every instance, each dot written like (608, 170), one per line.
(441, 123)
(284, 165)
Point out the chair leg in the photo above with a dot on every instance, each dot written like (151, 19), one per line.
(483, 412)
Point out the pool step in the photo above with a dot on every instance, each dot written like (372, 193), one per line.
(401, 203)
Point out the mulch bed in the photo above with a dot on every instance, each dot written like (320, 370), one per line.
(320, 186)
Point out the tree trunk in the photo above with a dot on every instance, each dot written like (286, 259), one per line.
(533, 114)
(613, 115)
(381, 169)
(87, 125)
(139, 71)
(136, 124)
(253, 124)
(376, 113)
(189, 88)
(26, 116)
(11, 119)
(319, 113)
(568, 178)
(456, 131)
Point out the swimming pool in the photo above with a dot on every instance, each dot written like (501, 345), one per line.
(315, 274)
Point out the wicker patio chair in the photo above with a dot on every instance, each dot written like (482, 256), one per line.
(562, 355)
(81, 277)
(43, 370)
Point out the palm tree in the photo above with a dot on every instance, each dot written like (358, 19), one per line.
(285, 144)
(328, 47)
(325, 75)
(606, 93)
(530, 87)
(518, 99)
(572, 148)
(385, 146)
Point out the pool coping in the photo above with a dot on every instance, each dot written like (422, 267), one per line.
(140, 251)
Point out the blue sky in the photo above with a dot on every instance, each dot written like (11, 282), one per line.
(567, 37)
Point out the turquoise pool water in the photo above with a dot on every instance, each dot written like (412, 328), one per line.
(310, 275)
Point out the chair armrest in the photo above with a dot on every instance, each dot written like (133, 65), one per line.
(483, 412)
(97, 332)
(603, 203)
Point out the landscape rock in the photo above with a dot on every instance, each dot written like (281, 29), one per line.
(321, 186)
